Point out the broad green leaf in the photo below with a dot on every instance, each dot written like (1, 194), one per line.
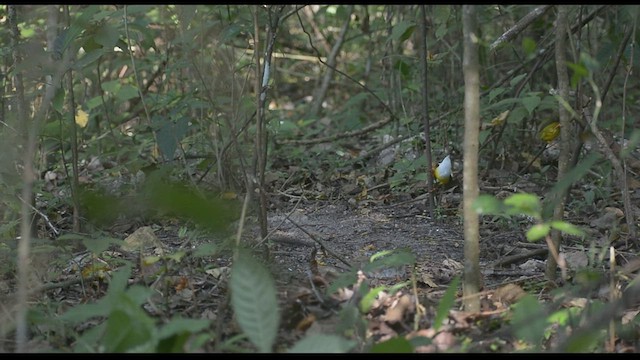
(179, 324)
(88, 58)
(579, 72)
(392, 258)
(530, 103)
(99, 244)
(529, 320)
(538, 231)
(170, 134)
(495, 93)
(527, 204)
(591, 64)
(58, 101)
(322, 344)
(127, 92)
(253, 297)
(111, 86)
(84, 312)
(575, 174)
(393, 345)
(488, 205)
(517, 79)
(94, 102)
(584, 342)
(128, 329)
(204, 208)
(446, 303)
(370, 297)
(107, 36)
(402, 30)
(528, 45)
(567, 228)
(343, 280)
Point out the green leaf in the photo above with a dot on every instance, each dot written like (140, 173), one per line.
(253, 297)
(107, 36)
(390, 258)
(84, 312)
(567, 228)
(530, 103)
(402, 30)
(204, 208)
(527, 204)
(179, 324)
(584, 342)
(517, 79)
(170, 134)
(111, 86)
(127, 92)
(446, 303)
(528, 45)
(343, 280)
(88, 58)
(488, 205)
(538, 231)
(322, 344)
(579, 72)
(575, 174)
(100, 244)
(369, 298)
(393, 345)
(529, 320)
(58, 101)
(495, 93)
(175, 334)
(129, 329)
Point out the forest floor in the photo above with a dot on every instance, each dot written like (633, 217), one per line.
(315, 245)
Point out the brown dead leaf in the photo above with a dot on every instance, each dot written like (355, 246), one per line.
(428, 280)
(442, 341)
(508, 294)
(397, 310)
(305, 323)
(629, 316)
(141, 238)
(577, 302)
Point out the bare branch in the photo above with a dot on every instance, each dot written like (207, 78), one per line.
(519, 26)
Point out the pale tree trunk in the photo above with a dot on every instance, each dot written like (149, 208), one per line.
(471, 285)
(425, 106)
(565, 135)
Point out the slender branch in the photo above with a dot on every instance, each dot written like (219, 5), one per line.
(625, 186)
(519, 26)
(321, 92)
(364, 87)
(612, 74)
(565, 148)
(425, 107)
(29, 176)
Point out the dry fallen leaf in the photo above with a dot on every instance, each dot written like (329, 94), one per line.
(396, 311)
(141, 238)
(508, 294)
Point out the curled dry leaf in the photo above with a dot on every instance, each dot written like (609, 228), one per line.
(397, 310)
(508, 294)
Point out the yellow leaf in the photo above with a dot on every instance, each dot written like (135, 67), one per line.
(82, 118)
(499, 120)
(229, 195)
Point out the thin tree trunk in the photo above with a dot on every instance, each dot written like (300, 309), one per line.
(321, 93)
(29, 175)
(470, 68)
(425, 106)
(565, 135)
